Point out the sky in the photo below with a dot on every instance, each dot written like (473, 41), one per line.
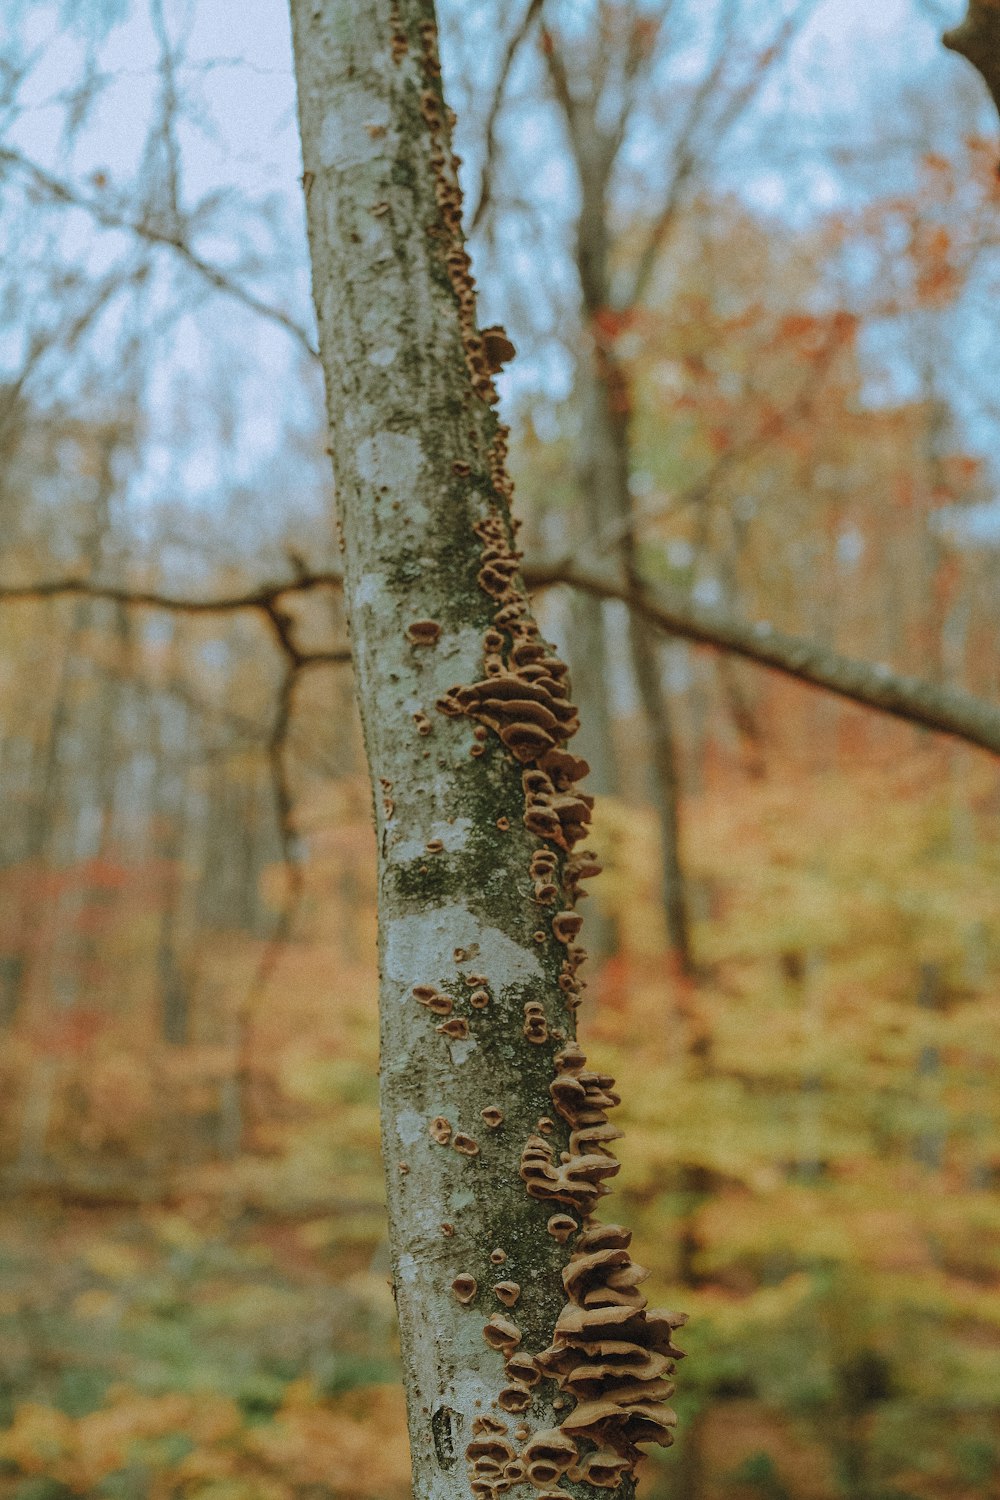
(239, 147)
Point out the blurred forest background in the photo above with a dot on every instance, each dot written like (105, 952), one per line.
(763, 236)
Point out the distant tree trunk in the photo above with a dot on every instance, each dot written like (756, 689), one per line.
(494, 1135)
(605, 397)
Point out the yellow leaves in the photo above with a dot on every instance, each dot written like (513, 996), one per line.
(113, 1260)
(95, 1304)
(354, 1447)
(37, 1440)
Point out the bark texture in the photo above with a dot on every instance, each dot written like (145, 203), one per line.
(495, 1136)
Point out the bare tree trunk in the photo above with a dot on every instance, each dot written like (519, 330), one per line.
(494, 1135)
(605, 397)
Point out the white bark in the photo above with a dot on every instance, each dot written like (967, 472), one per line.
(418, 460)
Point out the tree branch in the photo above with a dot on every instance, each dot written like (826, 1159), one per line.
(946, 710)
(518, 37)
(109, 218)
(871, 684)
(977, 39)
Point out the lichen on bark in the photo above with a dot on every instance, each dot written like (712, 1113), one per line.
(466, 713)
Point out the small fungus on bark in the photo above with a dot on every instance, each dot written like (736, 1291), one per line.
(561, 1226)
(479, 999)
(487, 1424)
(456, 1029)
(507, 1292)
(498, 1256)
(522, 1368)
(548, 1456)
(497, 347)
(423, 633)
(465, 1288)
(514, 1398)
(535, 1027)
(465, 1144)
(493, 1116)
(566, 925)
(500, 1333)
(440, 1130)
(427, 995)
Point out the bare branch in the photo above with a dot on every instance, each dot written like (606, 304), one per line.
(873, 685)
(518, 37)
(109, 218)
(265, 598)
(947, 710)
(687, 156)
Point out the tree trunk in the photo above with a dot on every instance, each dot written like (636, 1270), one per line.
(482, 1088)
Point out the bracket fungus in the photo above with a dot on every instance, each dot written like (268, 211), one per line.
(548, 1456)
(487, 1423)
(456, 1029)
(514, 1399)
(522, 1368)
(500, 1333)
(426, 994)
(497, 348)
(465, 1289)
(561, 1226)
(535, 1027)
(603, 1469)
(566, 925)
(423, 633)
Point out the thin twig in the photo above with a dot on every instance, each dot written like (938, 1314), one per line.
(109, 218)
(518, 37)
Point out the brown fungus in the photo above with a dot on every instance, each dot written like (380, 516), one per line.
(500, 1333)
(548, 1456)
(434, 846)
(456, 1029)
(493, 1116)
(522, 1368)
(465, 1288)
(561, 1226)
(514, 1399)
(603, 1469)
(489, 1454)
(507, 1292)
(535, 1027)
(479, 999)
(487, 1424)
(423, 632)
(440, 1130)
(465, 1144)
(497, 347)
(498, 1256)
(566, 925)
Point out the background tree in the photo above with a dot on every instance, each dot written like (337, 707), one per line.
(203, 1183)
